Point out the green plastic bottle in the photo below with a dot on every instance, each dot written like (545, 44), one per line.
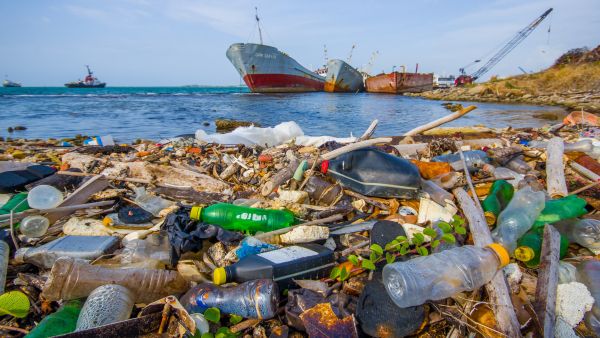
(501, 192)
(239, 218)
(560, 209)
(14, 201)
(60, 322)
(529, 247)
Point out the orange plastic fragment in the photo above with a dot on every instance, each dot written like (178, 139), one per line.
(430, 170)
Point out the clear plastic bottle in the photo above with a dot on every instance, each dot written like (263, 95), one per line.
(585, 232)
(518, 165)
(4, 255)
(107, 304)
(436, 193)
(154, 248)
(71, 278)
(588, 273)
(475, 159)
(34, 226)
(254, 299)
(150, 203)
(442, 274)
(44, 197)
(505, 173)
(581, 146)
(518, 217)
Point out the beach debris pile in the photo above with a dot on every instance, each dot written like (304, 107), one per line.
(438, 232)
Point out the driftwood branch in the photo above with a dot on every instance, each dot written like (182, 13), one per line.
(440, 121)
(369, 132)
(113, 178)
(280, 177)
(547, 282)
(79, 196)
(497, 288)
(354, 146)
(555, 169)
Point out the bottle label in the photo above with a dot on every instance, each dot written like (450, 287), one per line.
(287, 254)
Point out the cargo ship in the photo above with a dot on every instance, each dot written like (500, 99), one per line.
(265, 69)
(398, 83)
(90, 81)
(10, 84)
(341, 77)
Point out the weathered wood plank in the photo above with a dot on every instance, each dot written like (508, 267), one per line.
(547, 283)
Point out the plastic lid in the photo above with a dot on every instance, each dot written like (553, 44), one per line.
(501, 252)
(524, 253)
(490, 218)
(195, 213)
(219, 276)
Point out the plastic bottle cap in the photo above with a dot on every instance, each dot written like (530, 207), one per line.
(324, 166)
(490, 218)
(195, 213)
(219, 276)
(501, 252)
(524, 253)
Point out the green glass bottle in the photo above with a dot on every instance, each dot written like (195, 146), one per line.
(60, 322)
(501, 192)
(239, 218)
(560, 209)
(19, 201)
(529, 247)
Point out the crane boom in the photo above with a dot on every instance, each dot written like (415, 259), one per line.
(514, 42)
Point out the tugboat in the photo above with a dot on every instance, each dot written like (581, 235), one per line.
(90, 81)
(9, 83)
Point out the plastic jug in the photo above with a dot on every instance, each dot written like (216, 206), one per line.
(442, 274)
(254, 299)
(18, 202)
(518, 217)
(62, 321)
(475, 159)
(500, 194)
(44, 197)
(82, 247)
(529, 247)
(372, 172)
(239, 218)
(588, 273)
(560, 209)
(4, 256)
(34, 226)
(71, 278)
(585, 232)
(298, 262)
(107, 304)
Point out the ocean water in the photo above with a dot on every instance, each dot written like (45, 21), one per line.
(128, 113)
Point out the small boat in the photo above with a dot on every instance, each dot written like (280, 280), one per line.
(398, 83)
(341, 77)
(90, 81)
(10, 84)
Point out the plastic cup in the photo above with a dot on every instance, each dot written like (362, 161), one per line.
(44, 197)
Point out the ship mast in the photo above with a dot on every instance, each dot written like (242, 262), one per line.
(258, 24)
(88, 69)
(350, 56)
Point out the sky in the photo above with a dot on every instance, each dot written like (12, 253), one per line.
(183, 42)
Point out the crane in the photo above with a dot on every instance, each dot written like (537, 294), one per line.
(514, 42)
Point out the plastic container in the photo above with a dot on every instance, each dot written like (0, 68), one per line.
(585, 232)
(71, 278)
(561, 209)
(107, 304)
(436, 193)
(305, 261)
(34, 226)
(475, 159)
(64, 320)
(154, 248)
(518, 217)
(441, 275)
(4, 256)
(82, 247)
(254, 299)
(44, 197)
(510, 176)
(18, 202)
(372, 172)
(588, 273)
(238, 218)
(529, 247)
(500, 194)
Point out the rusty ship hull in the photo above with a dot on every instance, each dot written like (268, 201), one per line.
(342, 77)
(398, 83)
(265, 69)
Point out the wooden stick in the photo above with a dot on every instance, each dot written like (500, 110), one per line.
(469, 182)
(497, 288)
(547, 282)
(369, 132)
(113, 178)
(244, 325)
(79, 196)
(280, 177)
(584, 171)
(440, 121)
(555, 169)
(269, 234)
(354, 146)
(584, 188)
(23, 214)
(366, 199)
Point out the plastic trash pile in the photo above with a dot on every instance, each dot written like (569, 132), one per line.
(284, 235)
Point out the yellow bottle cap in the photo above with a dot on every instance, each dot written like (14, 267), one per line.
(490, 218)
(524, 253)
(219, 276)
(501, 252)
(195, 213)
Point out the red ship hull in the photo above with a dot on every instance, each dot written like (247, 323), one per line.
(277, 83)
(397, 83)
